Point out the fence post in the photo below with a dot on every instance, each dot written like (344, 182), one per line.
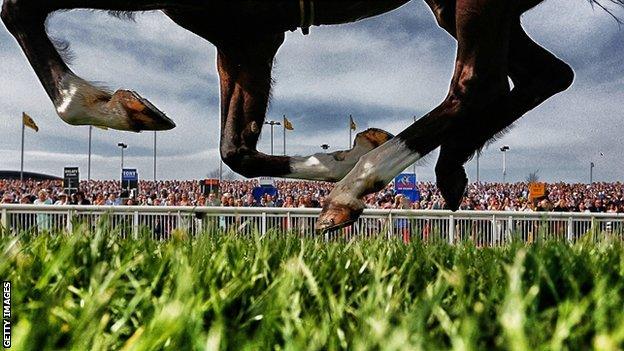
(451, 229)
(495, 231)
(390, 226)
(510, 228)
(4, 221)
(70, 225)
(287, 221)
(263, 223)
(570, 229)
(135, 225)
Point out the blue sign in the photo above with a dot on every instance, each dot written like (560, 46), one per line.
(405, 183)
(259, 191)
(129, 174)
(129, 180)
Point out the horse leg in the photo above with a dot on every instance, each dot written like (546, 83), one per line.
(537, 75)
(245, 63)
(77, 101)
(479, 80)
(245, 86)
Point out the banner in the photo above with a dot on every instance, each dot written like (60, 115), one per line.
(259, 191)
(29, 122)
(537, 190)
(288, 124)
(405, 183)
(129, 179)
(266, 181)
(210, 186)
(71, 179)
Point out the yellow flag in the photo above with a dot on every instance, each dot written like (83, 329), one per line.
(101, 127)
(28, 122)
(352, 123)
(287, 124)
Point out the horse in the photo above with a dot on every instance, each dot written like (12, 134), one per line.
(480, 103)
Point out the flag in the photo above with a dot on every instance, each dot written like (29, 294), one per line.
(28, 122)
(101, 127)
(352, 125)
(287, 124)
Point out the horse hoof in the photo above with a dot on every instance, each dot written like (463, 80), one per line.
(337, 216)
(452, 181)
(142, 115)
(373, 137)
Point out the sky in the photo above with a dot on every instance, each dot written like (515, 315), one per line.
(383, 71)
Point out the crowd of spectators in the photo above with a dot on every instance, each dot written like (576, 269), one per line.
(562, 197)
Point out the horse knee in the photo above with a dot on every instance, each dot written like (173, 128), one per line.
(472, 90)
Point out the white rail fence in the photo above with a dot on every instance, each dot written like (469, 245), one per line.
(484, 228)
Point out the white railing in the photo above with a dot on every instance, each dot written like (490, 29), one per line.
(484, 228)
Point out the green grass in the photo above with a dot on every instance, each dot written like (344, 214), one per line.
(91, 290)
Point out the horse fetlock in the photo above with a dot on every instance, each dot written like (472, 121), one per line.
(241, 160)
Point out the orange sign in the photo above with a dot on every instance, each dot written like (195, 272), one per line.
(537, 190)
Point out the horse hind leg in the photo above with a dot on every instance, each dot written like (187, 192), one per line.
(479, 82)
(537, 75)
(77, 101)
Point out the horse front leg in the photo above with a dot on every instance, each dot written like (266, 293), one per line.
(479, 81)
(245, 66)
(76, 100)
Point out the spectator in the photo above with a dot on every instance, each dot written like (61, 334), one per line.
(42, 198)
(597, 197)
(112, 200)
(62, 199)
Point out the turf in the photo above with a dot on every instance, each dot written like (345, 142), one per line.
(90, 289)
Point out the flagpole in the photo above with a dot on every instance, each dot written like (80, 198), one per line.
(284, 125)
(414, 162)
(89, 161)
(350, 119)
(22, 159)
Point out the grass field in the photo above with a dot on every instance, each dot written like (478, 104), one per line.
(91, 290)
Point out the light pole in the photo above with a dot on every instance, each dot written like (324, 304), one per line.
(122, 146)
(154, 156)
(272, 124)
(478, 155)
(591, 173)
(504, 150)
(89, 161)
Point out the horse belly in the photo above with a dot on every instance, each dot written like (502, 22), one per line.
(337, 12)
